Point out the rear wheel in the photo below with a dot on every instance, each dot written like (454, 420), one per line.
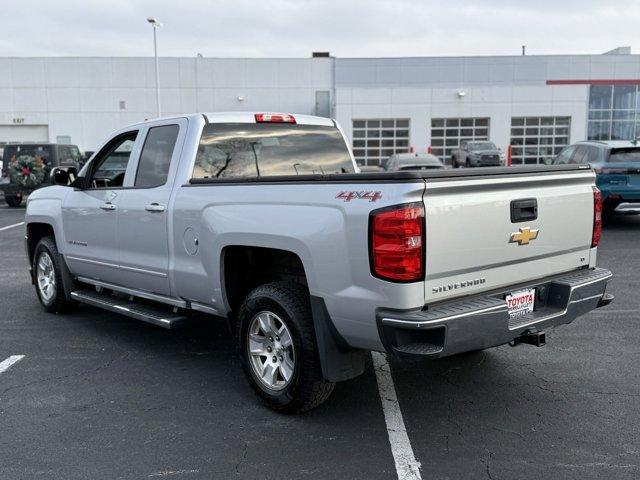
(467, 163)
(13, 200)
(48, 277)
(278, 348)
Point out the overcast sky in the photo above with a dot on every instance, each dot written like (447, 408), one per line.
(295, 28)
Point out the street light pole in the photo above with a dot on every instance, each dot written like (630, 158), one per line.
(155, 24)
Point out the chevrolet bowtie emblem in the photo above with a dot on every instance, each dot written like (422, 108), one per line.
(524, 236)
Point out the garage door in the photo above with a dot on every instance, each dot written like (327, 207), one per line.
(24, 133)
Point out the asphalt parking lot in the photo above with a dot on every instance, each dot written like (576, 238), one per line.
(99, 395)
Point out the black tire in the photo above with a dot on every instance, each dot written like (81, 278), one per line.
(13, 201)
(307, 388)
(454, 163)
(58, 303)
(467, 163)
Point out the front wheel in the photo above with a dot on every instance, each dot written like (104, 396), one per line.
(13, 200)
(278, 348)
(48, 277)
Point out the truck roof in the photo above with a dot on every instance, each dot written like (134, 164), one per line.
(249, 117)
(246, 117)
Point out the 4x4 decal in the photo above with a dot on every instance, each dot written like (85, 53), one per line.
(371, 196)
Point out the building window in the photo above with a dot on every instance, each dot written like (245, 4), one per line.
(533, 139)
(446, 134)
(375, 140)
(613, 112)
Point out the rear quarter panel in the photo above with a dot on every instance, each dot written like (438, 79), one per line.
(328, 234)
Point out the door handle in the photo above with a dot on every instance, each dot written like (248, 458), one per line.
(108, 206)
(524, 210)
(154, 207)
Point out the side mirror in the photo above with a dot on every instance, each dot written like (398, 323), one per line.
(64, 176)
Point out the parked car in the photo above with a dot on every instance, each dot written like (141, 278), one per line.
(477, 153)
(223, 214)
(617, 167)
(27, 166)
(413, 161)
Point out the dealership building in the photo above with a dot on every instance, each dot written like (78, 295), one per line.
(536, 103)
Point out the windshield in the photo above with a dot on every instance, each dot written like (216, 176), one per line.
(477, 146)
(622, 155)
(230, 150)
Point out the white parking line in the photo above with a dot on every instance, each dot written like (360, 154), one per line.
(11, 226)
(407, 467)
(6, 364)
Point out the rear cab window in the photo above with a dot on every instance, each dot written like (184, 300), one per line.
(244, 150)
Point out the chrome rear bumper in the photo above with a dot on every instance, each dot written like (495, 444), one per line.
(483, 321)
(628, 208)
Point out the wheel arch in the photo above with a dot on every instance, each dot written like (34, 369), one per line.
(244, 267)
(238, 277)
(36, 231)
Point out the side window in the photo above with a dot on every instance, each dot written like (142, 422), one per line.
(580, 155)
(463, 145)
(565, 155)
(64, 156)
(110, 164)
(68, 155)
(155, 158)
(75, 154)
(592, 155)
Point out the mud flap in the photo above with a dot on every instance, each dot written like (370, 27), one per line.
(339, 361)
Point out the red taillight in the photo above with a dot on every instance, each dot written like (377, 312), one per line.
(274, 118)
(597, 217)
(429, 149)
(509, 156)
(396, 242)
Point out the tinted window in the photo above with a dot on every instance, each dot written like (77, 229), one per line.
(268, 149)
(565, 155)
(110, 165)
(580, 155)
(68, 155)
(155, 158)
(593, 155)
(625, 155)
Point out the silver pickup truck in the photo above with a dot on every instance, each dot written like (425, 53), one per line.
(264, 219)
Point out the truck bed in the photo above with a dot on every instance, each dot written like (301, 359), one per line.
(400, 176)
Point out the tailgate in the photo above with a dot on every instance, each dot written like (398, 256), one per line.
(472, 242)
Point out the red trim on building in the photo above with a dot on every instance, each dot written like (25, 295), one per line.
(594, 82)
